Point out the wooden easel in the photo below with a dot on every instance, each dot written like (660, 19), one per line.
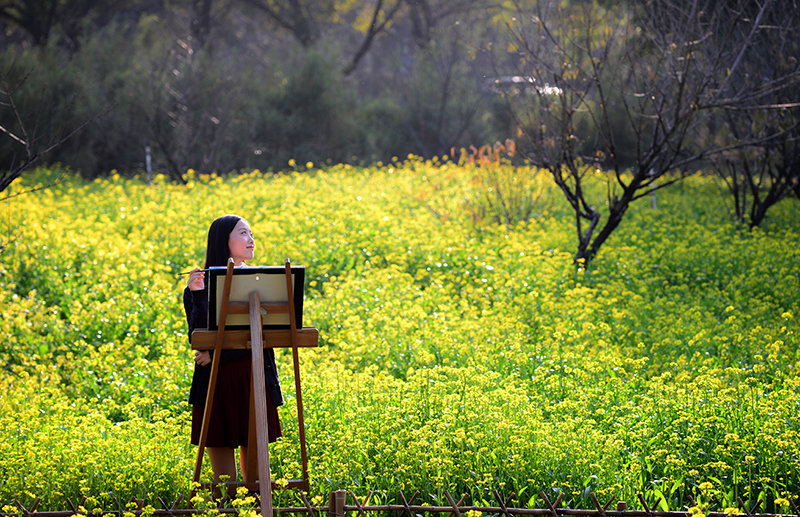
(203, 339)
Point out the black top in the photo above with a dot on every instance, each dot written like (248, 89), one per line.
(195, 303)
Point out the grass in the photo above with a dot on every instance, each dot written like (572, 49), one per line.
(459, 351)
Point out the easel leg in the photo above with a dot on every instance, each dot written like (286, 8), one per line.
(258, 383)
(251, 465)
(300, 421)
(295, 359)
(212, 383)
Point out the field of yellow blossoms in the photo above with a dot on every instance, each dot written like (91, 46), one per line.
(461, 350)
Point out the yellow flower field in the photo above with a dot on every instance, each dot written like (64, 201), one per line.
(460, 348)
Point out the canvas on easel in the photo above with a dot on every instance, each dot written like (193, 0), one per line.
(269, 281)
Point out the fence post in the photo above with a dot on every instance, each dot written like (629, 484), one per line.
(148, 164)
(622, 506)
(336, 502)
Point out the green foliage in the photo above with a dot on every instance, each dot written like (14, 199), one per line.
(451, 357)
(307, 116)
(247, 98)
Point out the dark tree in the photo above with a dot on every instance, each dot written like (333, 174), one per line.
(30, 147)
(765, 167)
(302, 18)
(381, 17)
(36, 17)
(629, 92)
(67, 19)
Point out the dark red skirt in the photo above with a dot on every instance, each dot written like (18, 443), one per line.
(230, 413)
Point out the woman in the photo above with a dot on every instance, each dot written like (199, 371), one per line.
(228, 237)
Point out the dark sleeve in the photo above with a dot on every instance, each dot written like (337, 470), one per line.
(195, 303)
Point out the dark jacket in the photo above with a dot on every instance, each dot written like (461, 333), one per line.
(195, 303)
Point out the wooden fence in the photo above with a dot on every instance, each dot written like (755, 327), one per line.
(338, 507)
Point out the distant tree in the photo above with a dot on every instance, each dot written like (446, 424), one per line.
(201, 21)
(426, 15)
(302, 18)
(31, 149)
(766, 169)
(40, 19)
(441, 95)
(628, 91)
(36, 17)
(381, 18)
(761, 174)
(307, 20)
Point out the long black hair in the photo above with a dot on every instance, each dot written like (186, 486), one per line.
(217, 251)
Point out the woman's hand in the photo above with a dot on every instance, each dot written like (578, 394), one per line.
(196, 279)
(202, 357)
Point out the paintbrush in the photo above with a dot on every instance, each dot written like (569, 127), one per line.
(189, 272)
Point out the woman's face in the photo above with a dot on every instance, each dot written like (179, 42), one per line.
(241, 243)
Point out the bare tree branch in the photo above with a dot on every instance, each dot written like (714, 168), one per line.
(654, 87)
(31, 152)
(374, 29)
(292, 15)
(754, 28)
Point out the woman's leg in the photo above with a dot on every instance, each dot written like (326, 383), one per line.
(223, 463)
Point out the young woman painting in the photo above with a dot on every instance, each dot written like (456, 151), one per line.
(229, 236)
